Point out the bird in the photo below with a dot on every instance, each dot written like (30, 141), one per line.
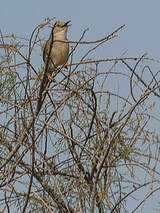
(57, 51)
(55, 54)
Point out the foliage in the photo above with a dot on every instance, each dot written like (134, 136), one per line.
(91, 145)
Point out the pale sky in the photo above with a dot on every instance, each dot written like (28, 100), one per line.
(141, 34)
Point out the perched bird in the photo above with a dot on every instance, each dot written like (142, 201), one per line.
(55, 54)
(57, 51)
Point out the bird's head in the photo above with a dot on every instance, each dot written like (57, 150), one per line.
(60, 27)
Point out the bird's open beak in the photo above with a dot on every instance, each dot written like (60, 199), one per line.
(67, 23)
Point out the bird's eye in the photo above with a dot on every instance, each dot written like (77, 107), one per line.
(58, 25)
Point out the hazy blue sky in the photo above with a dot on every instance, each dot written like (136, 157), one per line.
(141, 34)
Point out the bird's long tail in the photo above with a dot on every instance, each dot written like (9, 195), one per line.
(42, 92)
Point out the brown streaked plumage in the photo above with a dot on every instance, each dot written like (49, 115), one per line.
(59, 50)
(55, 54)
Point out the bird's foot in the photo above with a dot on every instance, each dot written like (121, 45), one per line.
(50, 78)
(66, 65)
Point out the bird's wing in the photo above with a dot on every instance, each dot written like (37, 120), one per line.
(45, 51)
